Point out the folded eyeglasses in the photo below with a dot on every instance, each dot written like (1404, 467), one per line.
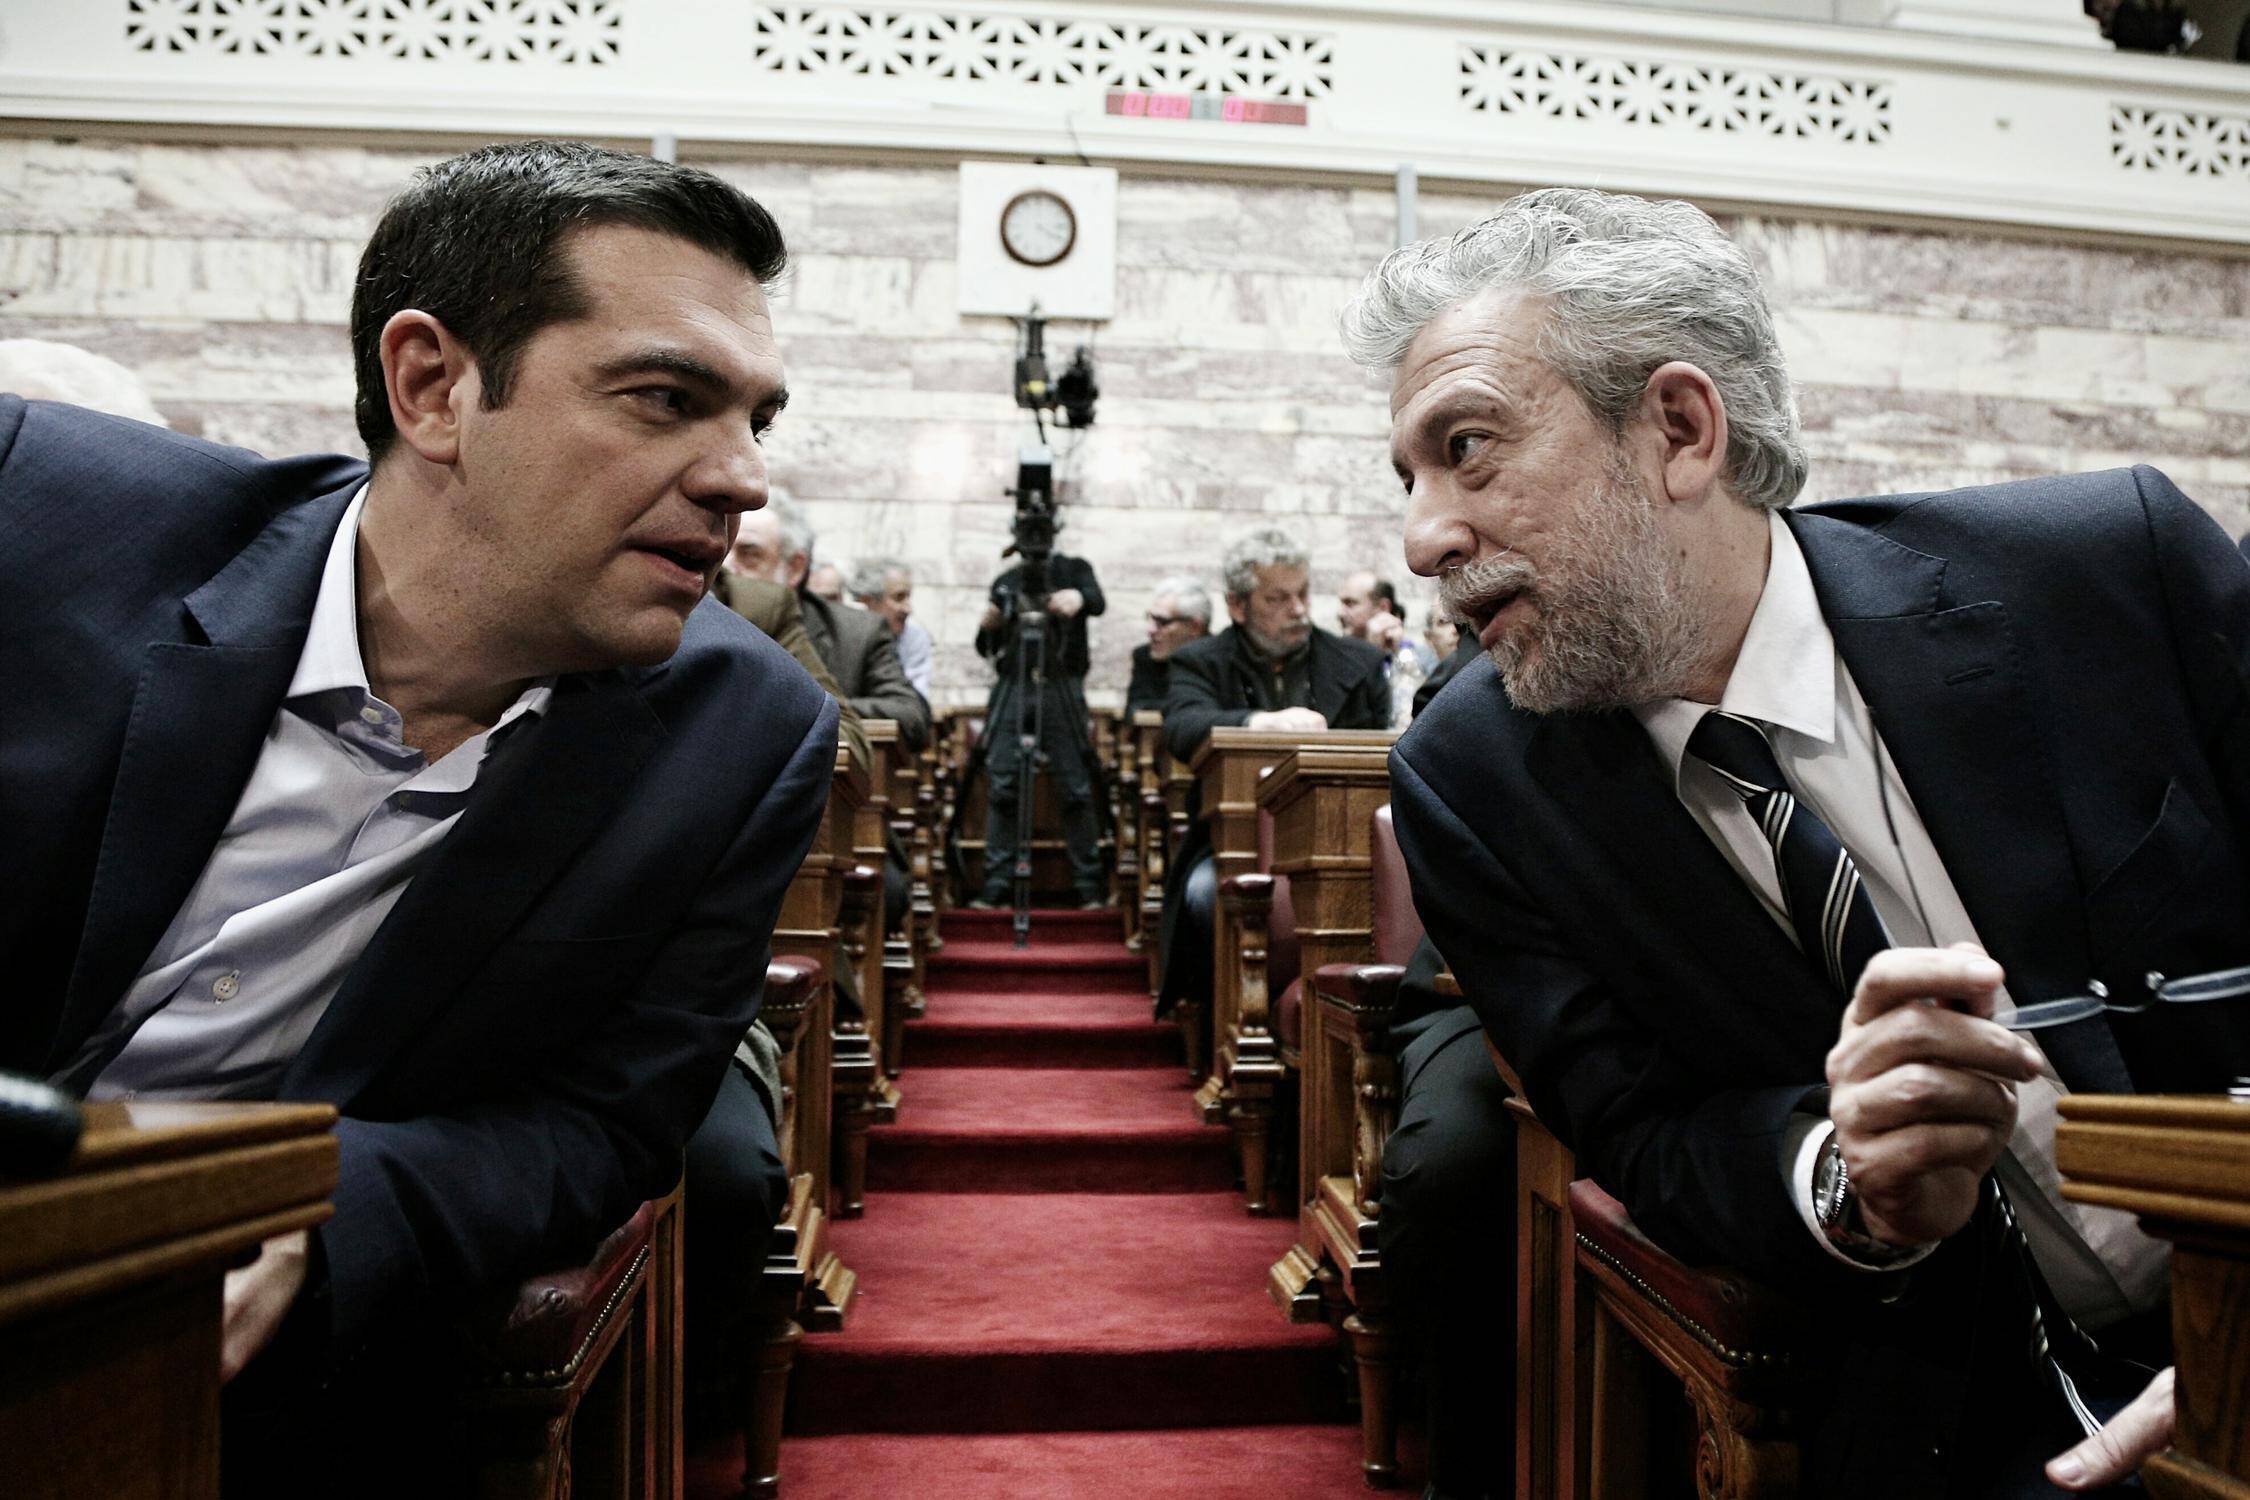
(2195, 989)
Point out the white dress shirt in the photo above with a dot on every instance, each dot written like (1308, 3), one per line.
(915, 651)
(1789, 676)
(337, 816)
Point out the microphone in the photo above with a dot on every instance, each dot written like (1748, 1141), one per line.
(39, 1125)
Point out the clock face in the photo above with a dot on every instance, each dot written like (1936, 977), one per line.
(1038, 227)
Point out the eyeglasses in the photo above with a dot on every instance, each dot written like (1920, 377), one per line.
(2195, 989)
(1160, 621)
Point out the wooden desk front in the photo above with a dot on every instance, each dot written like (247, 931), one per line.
(110, 1275)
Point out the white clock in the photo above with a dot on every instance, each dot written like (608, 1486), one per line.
(1038, 227)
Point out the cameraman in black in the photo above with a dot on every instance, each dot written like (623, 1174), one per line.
(1073, 597)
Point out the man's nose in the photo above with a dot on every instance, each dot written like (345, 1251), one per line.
(731, 478)
(1437, 536)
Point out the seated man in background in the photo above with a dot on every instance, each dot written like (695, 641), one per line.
(435, 791)
(885, 586)
(1271, 669)
(1179, 613)
(827, 580)
(776, 543)
(1367, 609)
(1718, 841)
(1064, 745)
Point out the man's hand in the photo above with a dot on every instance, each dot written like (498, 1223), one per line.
(991, 618)
(1065, 603)
(2134, 1436)
(258, 1298)
(1288, 721)
(1386, 630)
(1923, 1094)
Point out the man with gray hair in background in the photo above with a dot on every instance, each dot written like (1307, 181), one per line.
(1719, 838)
(777, 544)
(886, 587)
(1271, 669)
(1179, 612)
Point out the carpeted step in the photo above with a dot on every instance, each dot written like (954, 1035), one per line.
(1047, 925)
(1206, 1463)
(1040, 1031)
(1049, 1130)
(1059, 1312)
(998, 965)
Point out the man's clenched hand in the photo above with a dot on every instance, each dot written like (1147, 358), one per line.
(1922, 1089)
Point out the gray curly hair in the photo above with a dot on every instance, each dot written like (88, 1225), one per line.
(1630, 285)
(1270, 548)
(871, 577)
(1188, 596)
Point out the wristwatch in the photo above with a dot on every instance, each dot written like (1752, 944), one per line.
(1836, 1210)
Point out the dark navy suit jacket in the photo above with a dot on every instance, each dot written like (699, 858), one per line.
(2058, 669)
(532, 1034)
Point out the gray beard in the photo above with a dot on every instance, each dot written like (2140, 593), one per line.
(1267, 646)
(1614, 623)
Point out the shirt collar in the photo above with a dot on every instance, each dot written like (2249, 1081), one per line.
(331, 656)
(331, 659)
(1785, 673)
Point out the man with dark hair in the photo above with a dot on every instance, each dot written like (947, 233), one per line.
(1065, 744)
(436, 791)
(1271, 669)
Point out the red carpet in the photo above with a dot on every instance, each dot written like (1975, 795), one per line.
(1059, 1292)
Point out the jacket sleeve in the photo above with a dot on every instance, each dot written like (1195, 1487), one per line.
(886, 694)
(1368, 704)
(431, 1206)
(1698, 1168)
(992, 640)
(789, 635)
(1090, 586)
(1193, 706)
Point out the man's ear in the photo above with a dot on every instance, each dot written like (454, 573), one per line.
(1683, 409)
(430, 379)
(1238, 610)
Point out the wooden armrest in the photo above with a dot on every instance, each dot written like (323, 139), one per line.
(540, 1334)
(1737, 1321)
(1249, 890)
(1366, 993)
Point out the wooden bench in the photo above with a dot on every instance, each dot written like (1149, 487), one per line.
(1229, 768)
(802, 1283)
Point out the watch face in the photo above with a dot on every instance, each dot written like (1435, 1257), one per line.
(1038, 227)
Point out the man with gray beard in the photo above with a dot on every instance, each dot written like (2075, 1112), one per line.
(1719, 840)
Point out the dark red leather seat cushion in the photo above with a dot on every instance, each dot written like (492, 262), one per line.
(1289, 1015)
(1745, 1323)
(1281, 922)
(1398, 927)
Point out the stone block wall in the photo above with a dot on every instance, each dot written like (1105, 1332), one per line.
(1925, 358)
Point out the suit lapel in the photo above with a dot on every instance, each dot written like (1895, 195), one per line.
(543, 794)
(1601, 773)
(1943, 681)
(200, 715)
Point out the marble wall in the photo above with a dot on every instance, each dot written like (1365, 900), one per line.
(1926, 358)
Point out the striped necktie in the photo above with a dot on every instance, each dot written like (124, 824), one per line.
(1836, 924)
(1827, 902)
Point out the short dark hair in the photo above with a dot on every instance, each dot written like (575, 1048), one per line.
(477, 242)
(1383, 589)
